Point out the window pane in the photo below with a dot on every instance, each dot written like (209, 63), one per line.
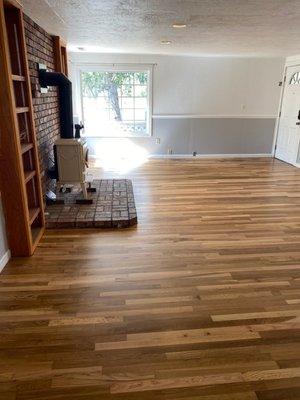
(140, 128)
(127, 114)
(127, 90)
(295, 79)
(127, 102)
(140, 115)
(126, 77)
(140, 102)
(141, 91)
(115, 103)
(141, 78)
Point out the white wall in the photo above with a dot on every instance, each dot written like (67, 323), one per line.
(4, 253)
(206, 87)
(216, 86)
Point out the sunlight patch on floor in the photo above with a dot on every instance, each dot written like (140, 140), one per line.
(120, 156)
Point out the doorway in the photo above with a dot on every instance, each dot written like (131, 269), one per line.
(288, 137)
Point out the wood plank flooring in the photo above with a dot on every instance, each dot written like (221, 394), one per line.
(201, 301)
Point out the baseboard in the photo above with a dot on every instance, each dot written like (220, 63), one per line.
(4, 260)
(210, 155)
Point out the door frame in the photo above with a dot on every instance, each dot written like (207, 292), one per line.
(293, 61)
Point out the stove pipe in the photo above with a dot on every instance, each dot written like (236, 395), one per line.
(65, 98)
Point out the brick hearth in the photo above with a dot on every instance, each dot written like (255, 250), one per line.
(113, 207)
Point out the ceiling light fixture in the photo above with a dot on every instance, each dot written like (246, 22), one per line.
(165, 42)
(81, 48)
(178, 25)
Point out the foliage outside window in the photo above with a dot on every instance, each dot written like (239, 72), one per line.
(115, 103)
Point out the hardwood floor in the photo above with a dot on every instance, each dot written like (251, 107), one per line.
(200, 302)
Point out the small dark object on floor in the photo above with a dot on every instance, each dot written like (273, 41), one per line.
(91, 189)
(67, 189)
(84, 201)
(52, 199)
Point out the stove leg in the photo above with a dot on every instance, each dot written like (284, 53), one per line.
(84, 191)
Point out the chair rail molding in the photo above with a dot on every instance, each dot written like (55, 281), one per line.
(196, 116)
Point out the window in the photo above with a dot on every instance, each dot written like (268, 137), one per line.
(116, 102)
(295, 79)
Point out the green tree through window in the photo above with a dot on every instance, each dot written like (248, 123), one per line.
(112, 85)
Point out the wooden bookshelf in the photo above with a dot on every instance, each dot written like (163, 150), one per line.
(19, 164)
(60, 54)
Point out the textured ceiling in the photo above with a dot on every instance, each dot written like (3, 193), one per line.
(214, 27)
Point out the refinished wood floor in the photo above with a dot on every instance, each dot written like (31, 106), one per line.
(200, 302)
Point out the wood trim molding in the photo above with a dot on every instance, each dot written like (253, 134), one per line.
(244, 155)
(212, 116)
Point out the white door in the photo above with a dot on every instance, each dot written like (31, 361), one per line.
(288, 138)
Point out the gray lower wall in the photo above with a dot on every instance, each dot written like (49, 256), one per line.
(203, 135)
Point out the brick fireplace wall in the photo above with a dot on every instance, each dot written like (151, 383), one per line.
(46, 106)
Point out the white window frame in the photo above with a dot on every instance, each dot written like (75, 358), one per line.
(117, 67)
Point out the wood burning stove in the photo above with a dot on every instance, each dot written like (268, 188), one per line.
(71, 157)
(70, 153)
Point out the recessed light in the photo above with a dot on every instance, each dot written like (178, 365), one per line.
(165, 42)
(81, 48)
(179, 25)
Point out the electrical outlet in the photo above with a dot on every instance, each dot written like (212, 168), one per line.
(170, 151)
(157, 140)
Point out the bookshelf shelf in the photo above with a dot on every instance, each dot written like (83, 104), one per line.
(18, 78)
(20, 110)
(29, 175)
(26, 147)
(33, 213)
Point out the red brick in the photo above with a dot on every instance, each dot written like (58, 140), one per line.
(46, 106)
